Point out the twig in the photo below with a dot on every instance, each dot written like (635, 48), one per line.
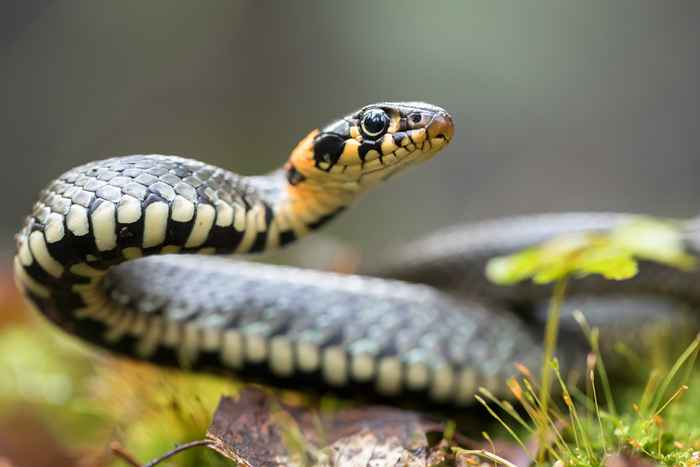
(127, 457)
(177, 450)
(119, 451)
(485, 454)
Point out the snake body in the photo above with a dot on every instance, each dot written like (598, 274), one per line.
(97, 257)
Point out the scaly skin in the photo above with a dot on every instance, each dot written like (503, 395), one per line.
(90, 258)
(283, 326)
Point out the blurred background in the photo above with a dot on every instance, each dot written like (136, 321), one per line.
(559, 105)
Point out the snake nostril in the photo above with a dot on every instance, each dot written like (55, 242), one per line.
(442, 126)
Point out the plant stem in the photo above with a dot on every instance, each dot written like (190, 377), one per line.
(550, 344)
(177, 450)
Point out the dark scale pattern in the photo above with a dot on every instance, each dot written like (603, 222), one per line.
(387, 319)
(149, 179)
(419, 342)
(212, 184)
(454, 259)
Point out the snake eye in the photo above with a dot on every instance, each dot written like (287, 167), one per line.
(374, 123)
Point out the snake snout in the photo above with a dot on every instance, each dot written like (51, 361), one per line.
(441, 126)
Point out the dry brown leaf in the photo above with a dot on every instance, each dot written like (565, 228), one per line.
(256, 430)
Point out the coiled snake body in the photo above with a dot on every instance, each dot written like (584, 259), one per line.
(87, 260)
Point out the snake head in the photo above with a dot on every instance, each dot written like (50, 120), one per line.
(370, 144)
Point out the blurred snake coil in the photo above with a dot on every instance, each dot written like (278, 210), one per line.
(101, 256)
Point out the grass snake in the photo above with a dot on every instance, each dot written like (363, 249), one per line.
(98, 257)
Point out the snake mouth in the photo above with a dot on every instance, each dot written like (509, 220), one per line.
(423, 153)
(417, 146)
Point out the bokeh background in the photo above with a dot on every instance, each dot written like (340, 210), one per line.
(589, 105)
(558, 105)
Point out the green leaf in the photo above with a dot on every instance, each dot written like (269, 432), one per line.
(509, 270)
(613, 255)
(614, 267)
(654, 240)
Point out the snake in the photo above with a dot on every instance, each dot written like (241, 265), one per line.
(133, 255)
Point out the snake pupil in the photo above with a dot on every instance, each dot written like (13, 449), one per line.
(375, 122)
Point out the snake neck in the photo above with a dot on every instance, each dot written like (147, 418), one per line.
(298, 200)
(295, 210)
